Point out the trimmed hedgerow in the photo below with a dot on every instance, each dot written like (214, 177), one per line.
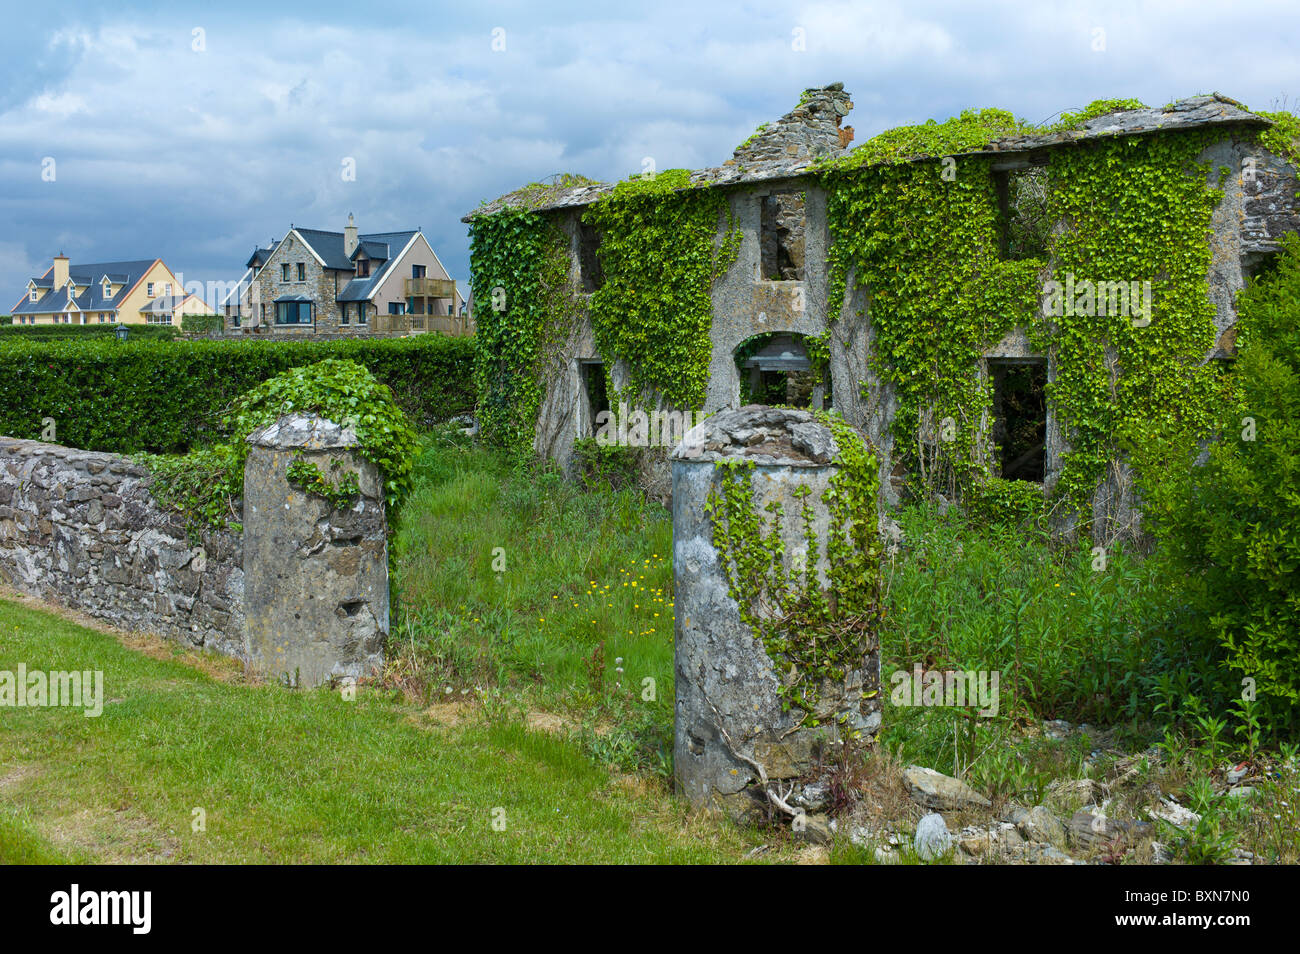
(202, 324)
(82, 332)
(166, 397)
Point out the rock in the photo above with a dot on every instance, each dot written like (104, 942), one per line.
(1057, 729)
(814, 829)
(1015, 814)
(1071, 794)
(1048, 855)
(814, 795)
(1041, 825)
(939, 792)
(1237, 773)
(1242, 791)
(1160, 854)
(932, 837)
(996, 839)
(1170, 811)
(1092, 830)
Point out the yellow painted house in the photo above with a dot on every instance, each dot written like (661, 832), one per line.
(140, 292)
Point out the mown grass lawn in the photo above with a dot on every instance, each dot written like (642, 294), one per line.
(301, 776)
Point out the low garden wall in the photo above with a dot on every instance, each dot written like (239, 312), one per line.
(82, 529)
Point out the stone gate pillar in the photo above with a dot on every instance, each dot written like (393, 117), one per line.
(739, 703)
(315, 576)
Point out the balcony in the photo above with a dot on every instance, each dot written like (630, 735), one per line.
(429, 288)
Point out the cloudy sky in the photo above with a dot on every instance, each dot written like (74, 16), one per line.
(194, 132)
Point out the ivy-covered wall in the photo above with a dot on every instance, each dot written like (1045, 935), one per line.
(929, 250)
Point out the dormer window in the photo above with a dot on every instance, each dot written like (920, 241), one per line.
(363, 268)
(33, 294)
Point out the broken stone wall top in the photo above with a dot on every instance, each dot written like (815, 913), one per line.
(810, 130)
(766, 157)
(773, 436)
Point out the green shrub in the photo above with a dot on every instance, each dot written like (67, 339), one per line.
(6, 319)
(1013, 503)
(1229, 528)
(202, 324)
(344, 392)
(167, 397)
(600, 465)
(204, 483)
(14, 333)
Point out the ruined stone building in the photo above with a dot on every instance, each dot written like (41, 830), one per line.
(774, 301)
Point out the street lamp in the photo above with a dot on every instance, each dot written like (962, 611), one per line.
(120, 331)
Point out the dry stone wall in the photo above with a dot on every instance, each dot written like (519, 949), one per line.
(82, 529)
(301, 594)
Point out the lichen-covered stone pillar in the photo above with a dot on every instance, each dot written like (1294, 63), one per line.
(776, 560)
(315, 575)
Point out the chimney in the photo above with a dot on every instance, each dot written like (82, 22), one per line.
(350, 237)
(60, 271)
(810, 130)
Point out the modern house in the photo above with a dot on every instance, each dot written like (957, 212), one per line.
(314, 282)
(137, 292)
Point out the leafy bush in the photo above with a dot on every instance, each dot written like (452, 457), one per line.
(166, 397)
(135, 332)
(344, 392)
(1011, 503)
(202, 324)
(600, 465)
(1229, 528)
(204, 483)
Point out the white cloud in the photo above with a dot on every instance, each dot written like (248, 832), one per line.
(197, 156)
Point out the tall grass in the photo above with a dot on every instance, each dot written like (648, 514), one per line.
(526, 580)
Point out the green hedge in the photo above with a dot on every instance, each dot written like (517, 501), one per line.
(167, 397)
(47, 332)
(202, 324)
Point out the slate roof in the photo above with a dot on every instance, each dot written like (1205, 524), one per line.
(1193, 113)
(90, 290)
(260, 256)
(164, 304)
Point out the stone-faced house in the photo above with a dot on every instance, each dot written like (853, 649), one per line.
(316, 282)
(778, 298)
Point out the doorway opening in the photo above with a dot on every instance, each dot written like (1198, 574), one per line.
(595, 397)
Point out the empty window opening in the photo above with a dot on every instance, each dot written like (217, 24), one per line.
(594, 393)
(1257, 266)
(1024, 224)
(781, 236)
(1020, 418)
(776, 369)
(589, 258)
